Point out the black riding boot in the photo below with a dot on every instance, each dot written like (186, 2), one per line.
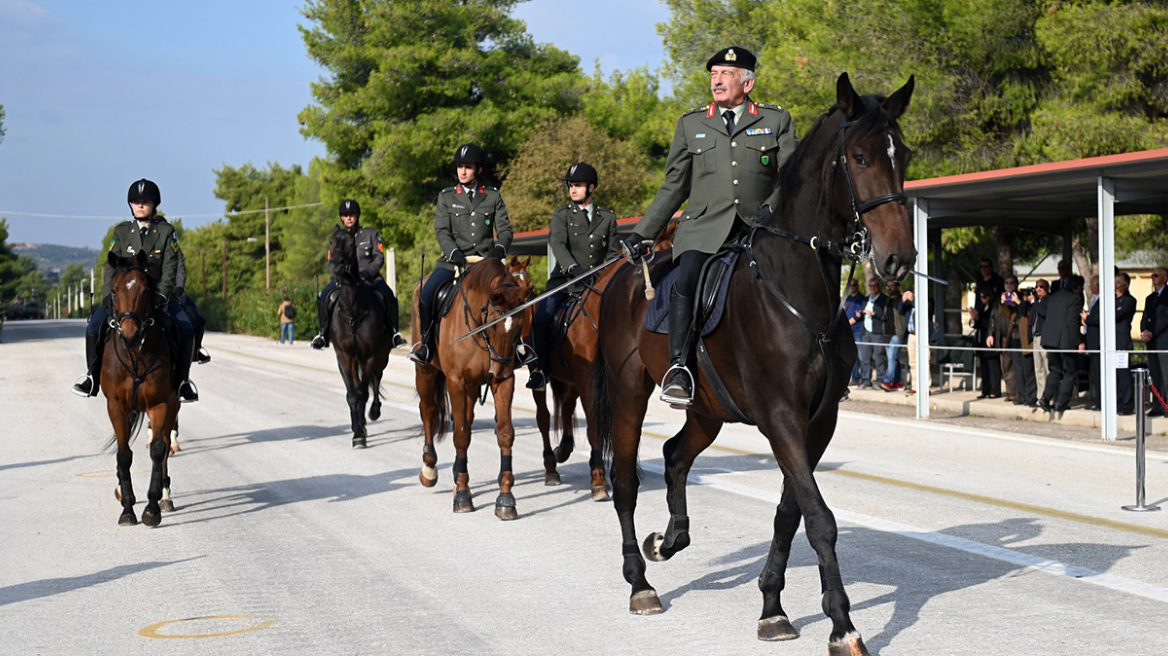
(422, 350)
(322, 315)
(88, 385)
(187, 392)
(678, 385)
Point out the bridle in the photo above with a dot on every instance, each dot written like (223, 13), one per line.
(131, 349)
(482, 339)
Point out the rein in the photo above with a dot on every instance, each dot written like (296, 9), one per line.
(481, 338)
(134, 353)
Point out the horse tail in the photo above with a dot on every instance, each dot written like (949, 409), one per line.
(135, 428)
(601, 406)
(441, 406)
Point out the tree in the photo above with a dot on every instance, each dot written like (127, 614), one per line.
(535, 178)
(304, 232)
(245, 190)
(19, 277)
(1, 123)
(407, 81)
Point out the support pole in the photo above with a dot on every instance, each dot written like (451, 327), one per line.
(1140, 374)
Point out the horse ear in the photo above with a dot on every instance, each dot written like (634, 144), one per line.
(112, 260)
(140, 259)
(514, 261)
(846, 97)
(897, 103)
(527, 262)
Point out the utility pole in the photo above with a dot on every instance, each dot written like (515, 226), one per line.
(267, 246)
(224, 269)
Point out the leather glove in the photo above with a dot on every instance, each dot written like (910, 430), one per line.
(458, 259)
(179, 292)
(763, 215)
(635, 246)
(573, 271)
(497, 251)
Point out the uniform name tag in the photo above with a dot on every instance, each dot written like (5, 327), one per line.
(754, 132)
(461, 207)
(700, 135)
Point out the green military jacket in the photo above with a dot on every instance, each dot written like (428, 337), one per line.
(160, 245)
(370, 253)
(471, 226)
(725, 177)
(575, 240)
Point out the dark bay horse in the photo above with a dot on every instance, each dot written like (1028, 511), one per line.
(137, 380)
(359, 335)
(453, 381)
(781, 352)
(569, 371)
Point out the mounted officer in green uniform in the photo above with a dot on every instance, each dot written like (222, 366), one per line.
(471, 220)
(146, 232)
(370, 260)
(725, 159)
(582, 236)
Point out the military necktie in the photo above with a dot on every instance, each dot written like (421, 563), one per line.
(729, 116)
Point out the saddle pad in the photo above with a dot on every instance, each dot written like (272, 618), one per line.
(711, 302)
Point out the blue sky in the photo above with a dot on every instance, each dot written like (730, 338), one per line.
(99, 94)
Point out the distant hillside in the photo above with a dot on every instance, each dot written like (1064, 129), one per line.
(53, 258)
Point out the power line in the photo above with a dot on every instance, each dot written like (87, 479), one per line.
(176, 214)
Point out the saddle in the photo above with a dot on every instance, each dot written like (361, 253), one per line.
(379, 298)
(713, 285)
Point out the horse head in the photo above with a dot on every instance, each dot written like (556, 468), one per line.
(518, 270)
(490, 284)
(342, 256)
(132, 297)
(869, 170)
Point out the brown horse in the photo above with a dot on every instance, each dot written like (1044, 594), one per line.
(451, 383)
(359, 334)
(136, 379)
(569, 370)
(782, 351)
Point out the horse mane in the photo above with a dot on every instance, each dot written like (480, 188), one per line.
(870, 118)
(483, 274)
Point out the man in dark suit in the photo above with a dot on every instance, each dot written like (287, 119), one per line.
(1154, 333)
(1095, 364)
(1125, 309)
(1061, 333)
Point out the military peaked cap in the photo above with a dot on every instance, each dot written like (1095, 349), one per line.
(736, 56)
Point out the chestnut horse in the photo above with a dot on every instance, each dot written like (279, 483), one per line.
(137, 379)
(451, 383)
(360, 335)
(569, 371)
(781, 353)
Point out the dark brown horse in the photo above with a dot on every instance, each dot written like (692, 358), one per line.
(782, 352)
(569, 371)
(461, 368)
(360, 335)
(136, 379)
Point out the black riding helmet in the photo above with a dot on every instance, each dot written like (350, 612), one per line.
(144, 189)
(470, 154)
(350, 207)
(582, 172)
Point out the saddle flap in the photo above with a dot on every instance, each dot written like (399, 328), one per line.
(713, 286)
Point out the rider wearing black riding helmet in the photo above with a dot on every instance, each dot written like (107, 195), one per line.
(370, 260)
(149, 233)
(582, 235)
(471, 221)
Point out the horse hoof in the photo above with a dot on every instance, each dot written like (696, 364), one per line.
(166, 505)
(127, 519)
(462, 502)
(151, 518)
(506, 513)
(552, 478)
(600, 493)
(850, 645)
(375, 413)
(645, 602)
(562, 454)
(428, 476)
(776, 628)
(359, 443)
(652, 547)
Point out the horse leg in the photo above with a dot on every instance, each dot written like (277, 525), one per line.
(426, 381)
(503, 392)
(596, 452)
(172, 416)
(122, 421)
(159, 451)
(373, 375)
(351, 373)
(626, 439)
(789, 439)
(462, 411)
(773, 624)
(680, 451)
(543, 421)
(565, 401)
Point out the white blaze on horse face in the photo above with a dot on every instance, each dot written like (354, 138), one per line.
(130, 284)
(507, 325)
(892, 152)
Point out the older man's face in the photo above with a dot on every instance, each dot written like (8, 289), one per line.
(727, 86)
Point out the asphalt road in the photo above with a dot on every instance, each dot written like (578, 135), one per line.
(953, 539)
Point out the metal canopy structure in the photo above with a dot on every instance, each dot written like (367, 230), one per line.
(1046, 198)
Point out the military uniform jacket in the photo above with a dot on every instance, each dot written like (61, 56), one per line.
(725, 177)
(471, 226)
(160, 245)
(370, 253)
(575, 240)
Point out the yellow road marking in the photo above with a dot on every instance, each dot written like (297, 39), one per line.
(152, 631)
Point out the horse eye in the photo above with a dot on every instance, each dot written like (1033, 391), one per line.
(860, 159)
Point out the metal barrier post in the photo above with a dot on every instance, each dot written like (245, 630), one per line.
(1140, 374)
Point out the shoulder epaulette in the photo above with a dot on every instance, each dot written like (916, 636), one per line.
(449, 189)
(770, 106)
(700, 108)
